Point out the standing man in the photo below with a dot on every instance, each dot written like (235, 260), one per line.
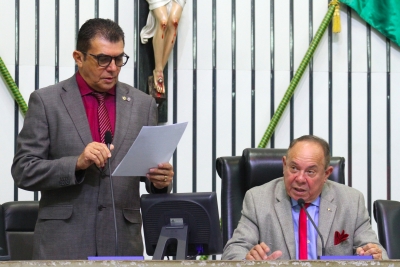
(271, 214)
(62, 153)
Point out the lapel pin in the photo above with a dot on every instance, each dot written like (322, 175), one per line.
(329, 210)
(124, 98)
(128, 98)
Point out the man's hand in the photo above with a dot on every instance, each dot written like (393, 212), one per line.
(370, 249)
(96, 153)
(161, 176)
(259, 252)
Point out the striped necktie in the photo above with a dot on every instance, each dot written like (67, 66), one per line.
(104, 120)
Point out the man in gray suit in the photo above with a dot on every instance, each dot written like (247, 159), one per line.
(270, 214)
(61, 152)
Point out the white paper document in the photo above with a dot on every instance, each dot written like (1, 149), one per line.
(154, 145)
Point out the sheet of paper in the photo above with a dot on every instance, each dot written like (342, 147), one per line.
(154, 145)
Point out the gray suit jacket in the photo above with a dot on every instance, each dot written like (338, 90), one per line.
(75, 212)
(267, 217)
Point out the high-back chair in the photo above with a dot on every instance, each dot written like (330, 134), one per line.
(387, 217)
(19, 220)
(255, 167)
(3, 250)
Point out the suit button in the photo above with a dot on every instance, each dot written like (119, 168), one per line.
(101, 207)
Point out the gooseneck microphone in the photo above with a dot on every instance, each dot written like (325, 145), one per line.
(301, 203)
(108, 141)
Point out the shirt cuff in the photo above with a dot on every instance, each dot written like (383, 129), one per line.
(80, 176)
(155, 190)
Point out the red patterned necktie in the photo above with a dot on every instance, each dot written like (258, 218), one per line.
(104, 120)
(303, 254)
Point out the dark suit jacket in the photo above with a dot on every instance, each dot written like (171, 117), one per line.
(75, 213)
(267, 217)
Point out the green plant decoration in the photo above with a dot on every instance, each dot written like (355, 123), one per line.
(299, 73)
(13, 87)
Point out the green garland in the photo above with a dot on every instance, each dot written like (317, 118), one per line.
(13, 87)
(299, 73)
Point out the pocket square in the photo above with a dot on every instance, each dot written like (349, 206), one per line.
(340, 237)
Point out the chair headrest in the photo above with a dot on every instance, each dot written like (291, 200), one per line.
(385, 207)
(262, 165)
(20, 215)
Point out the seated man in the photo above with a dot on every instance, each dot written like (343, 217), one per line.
(271, 214)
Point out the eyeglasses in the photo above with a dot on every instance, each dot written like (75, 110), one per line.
(105, 60)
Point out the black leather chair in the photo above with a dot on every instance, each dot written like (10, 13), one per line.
(387, 217)
(3, 250)
(18, 224)
(255, 167)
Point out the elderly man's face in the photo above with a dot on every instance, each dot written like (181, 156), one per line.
(304, 171)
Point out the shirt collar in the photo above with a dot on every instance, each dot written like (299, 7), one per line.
(85, 89)
(315, 202)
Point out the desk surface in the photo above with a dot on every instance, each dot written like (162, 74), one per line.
(190, 263)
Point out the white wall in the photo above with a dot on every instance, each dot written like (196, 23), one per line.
(223, 90)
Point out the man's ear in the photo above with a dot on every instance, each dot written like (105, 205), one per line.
(284, 161)
(328, 172)
(78, 57)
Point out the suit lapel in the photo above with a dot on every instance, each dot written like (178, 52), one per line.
(327, 212)
(283, 209)
(124, 102)
(71, 98)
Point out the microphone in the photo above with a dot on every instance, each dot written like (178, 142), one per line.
(301, 203)
(108, 141)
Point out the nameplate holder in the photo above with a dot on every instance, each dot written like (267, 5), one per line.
(116, 258)
(5, 258)
(344, 257)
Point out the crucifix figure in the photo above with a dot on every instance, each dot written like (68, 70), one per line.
(162, 25)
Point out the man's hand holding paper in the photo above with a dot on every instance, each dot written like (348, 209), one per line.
(161, 176)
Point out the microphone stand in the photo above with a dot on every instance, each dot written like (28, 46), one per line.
(108, 139)
(301, 203)
(115, 219)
